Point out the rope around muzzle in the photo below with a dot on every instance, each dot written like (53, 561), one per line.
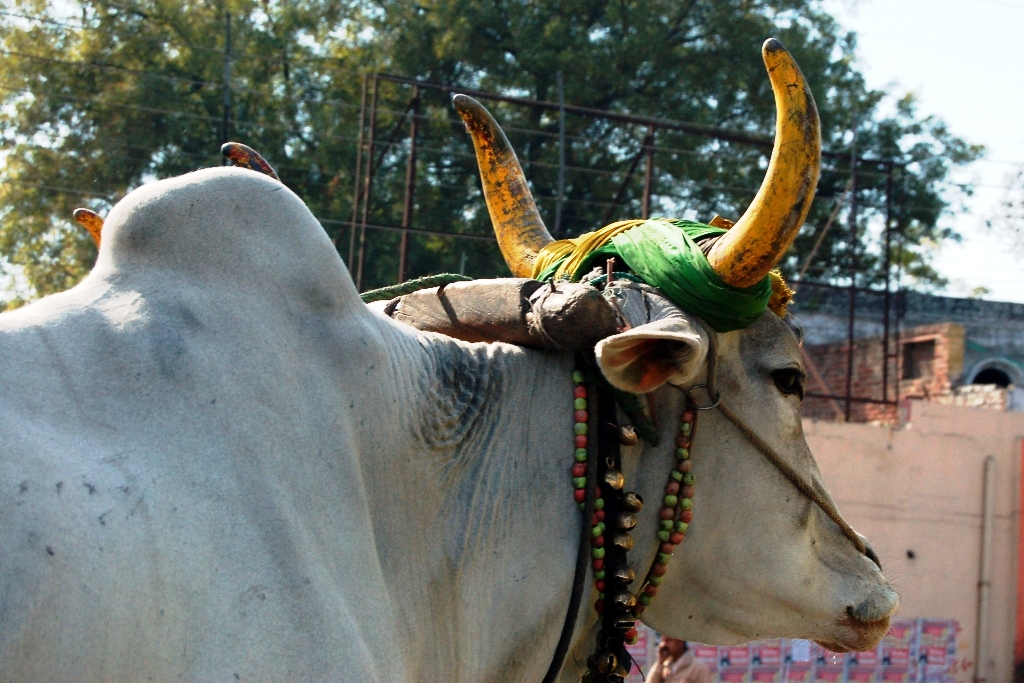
(769, 452)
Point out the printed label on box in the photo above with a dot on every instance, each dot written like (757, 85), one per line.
(707, 654)
(867, 659)
(897, 675)
(732, 674)
(937, 631)
(896, 655)
(766, 674)
(766, 652)
(934, 655)
(800, 673)
(828, 674)
(862, 674)
(902, 631)
(734, 656)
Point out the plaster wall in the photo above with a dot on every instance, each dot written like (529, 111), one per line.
(918, 488)
(993, 328)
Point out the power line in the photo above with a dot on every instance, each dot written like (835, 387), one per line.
(324, 221)
(63, 190)
(155, 41)
(112, 67)
(322, 102)
(448, 152)
(211, 84)
(158, 110)
(691, 183)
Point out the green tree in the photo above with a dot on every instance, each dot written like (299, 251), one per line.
(124, 92)
(128, 91)
(693, 61)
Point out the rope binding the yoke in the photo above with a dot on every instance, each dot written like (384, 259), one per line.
(410, 286)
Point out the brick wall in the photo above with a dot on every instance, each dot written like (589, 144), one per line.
(927, 365)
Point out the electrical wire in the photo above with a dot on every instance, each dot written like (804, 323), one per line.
(426, 149)
(160, 41)
(112, 67)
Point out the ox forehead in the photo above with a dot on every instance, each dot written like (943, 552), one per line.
(218, 463)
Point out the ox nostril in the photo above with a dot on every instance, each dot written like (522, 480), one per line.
(879, 606)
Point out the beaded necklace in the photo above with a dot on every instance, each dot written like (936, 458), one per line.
(674, 517)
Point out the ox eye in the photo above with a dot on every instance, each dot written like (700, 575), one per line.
(789, 381)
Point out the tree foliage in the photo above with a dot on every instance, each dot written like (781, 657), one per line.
(99, 102)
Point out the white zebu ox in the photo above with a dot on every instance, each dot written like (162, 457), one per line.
(218, 464)
(216, 461)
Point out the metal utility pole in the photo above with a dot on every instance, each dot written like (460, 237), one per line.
(368, 184)
(899, 304)
(561, 156)
(226, 129)
(981, 640)
(824, 231)
(853, 271)
(410, 187)
(645, 210)
(887, 260)
(357, 185)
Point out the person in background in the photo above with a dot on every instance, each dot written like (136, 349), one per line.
(676, 664)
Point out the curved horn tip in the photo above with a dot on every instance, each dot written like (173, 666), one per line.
(461, 101)
(517, 223)
(91, 221)
(762, 235)
(246, 157)
(470, 109)
(773, 46)
(775, 54)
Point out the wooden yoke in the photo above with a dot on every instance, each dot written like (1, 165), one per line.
(564, 317)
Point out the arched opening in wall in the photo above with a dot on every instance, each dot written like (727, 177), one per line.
(992, 376)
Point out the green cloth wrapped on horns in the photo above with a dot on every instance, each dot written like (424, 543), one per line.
(663, 252)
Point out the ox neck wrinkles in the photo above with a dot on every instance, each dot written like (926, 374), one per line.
(664, 253)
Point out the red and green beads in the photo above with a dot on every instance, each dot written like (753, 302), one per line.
(579, 430)
(675, 514)
(579, 485)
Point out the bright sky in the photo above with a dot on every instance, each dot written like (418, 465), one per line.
(963, 60)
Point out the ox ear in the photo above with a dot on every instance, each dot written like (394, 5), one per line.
(642, 359)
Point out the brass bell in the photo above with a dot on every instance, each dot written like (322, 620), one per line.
(632, 502)
(625, 600)
(625, 521)
(606, 663)
(628, 435)
(624, 574)
(623, 541)
(614, 479)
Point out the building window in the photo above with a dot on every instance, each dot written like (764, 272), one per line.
(992, 376)
(918, 358)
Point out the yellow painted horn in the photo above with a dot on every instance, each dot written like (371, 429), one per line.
(517, 223)
(91, 221)
(745, 254)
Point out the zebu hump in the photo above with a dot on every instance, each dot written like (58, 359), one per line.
(225, 225)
